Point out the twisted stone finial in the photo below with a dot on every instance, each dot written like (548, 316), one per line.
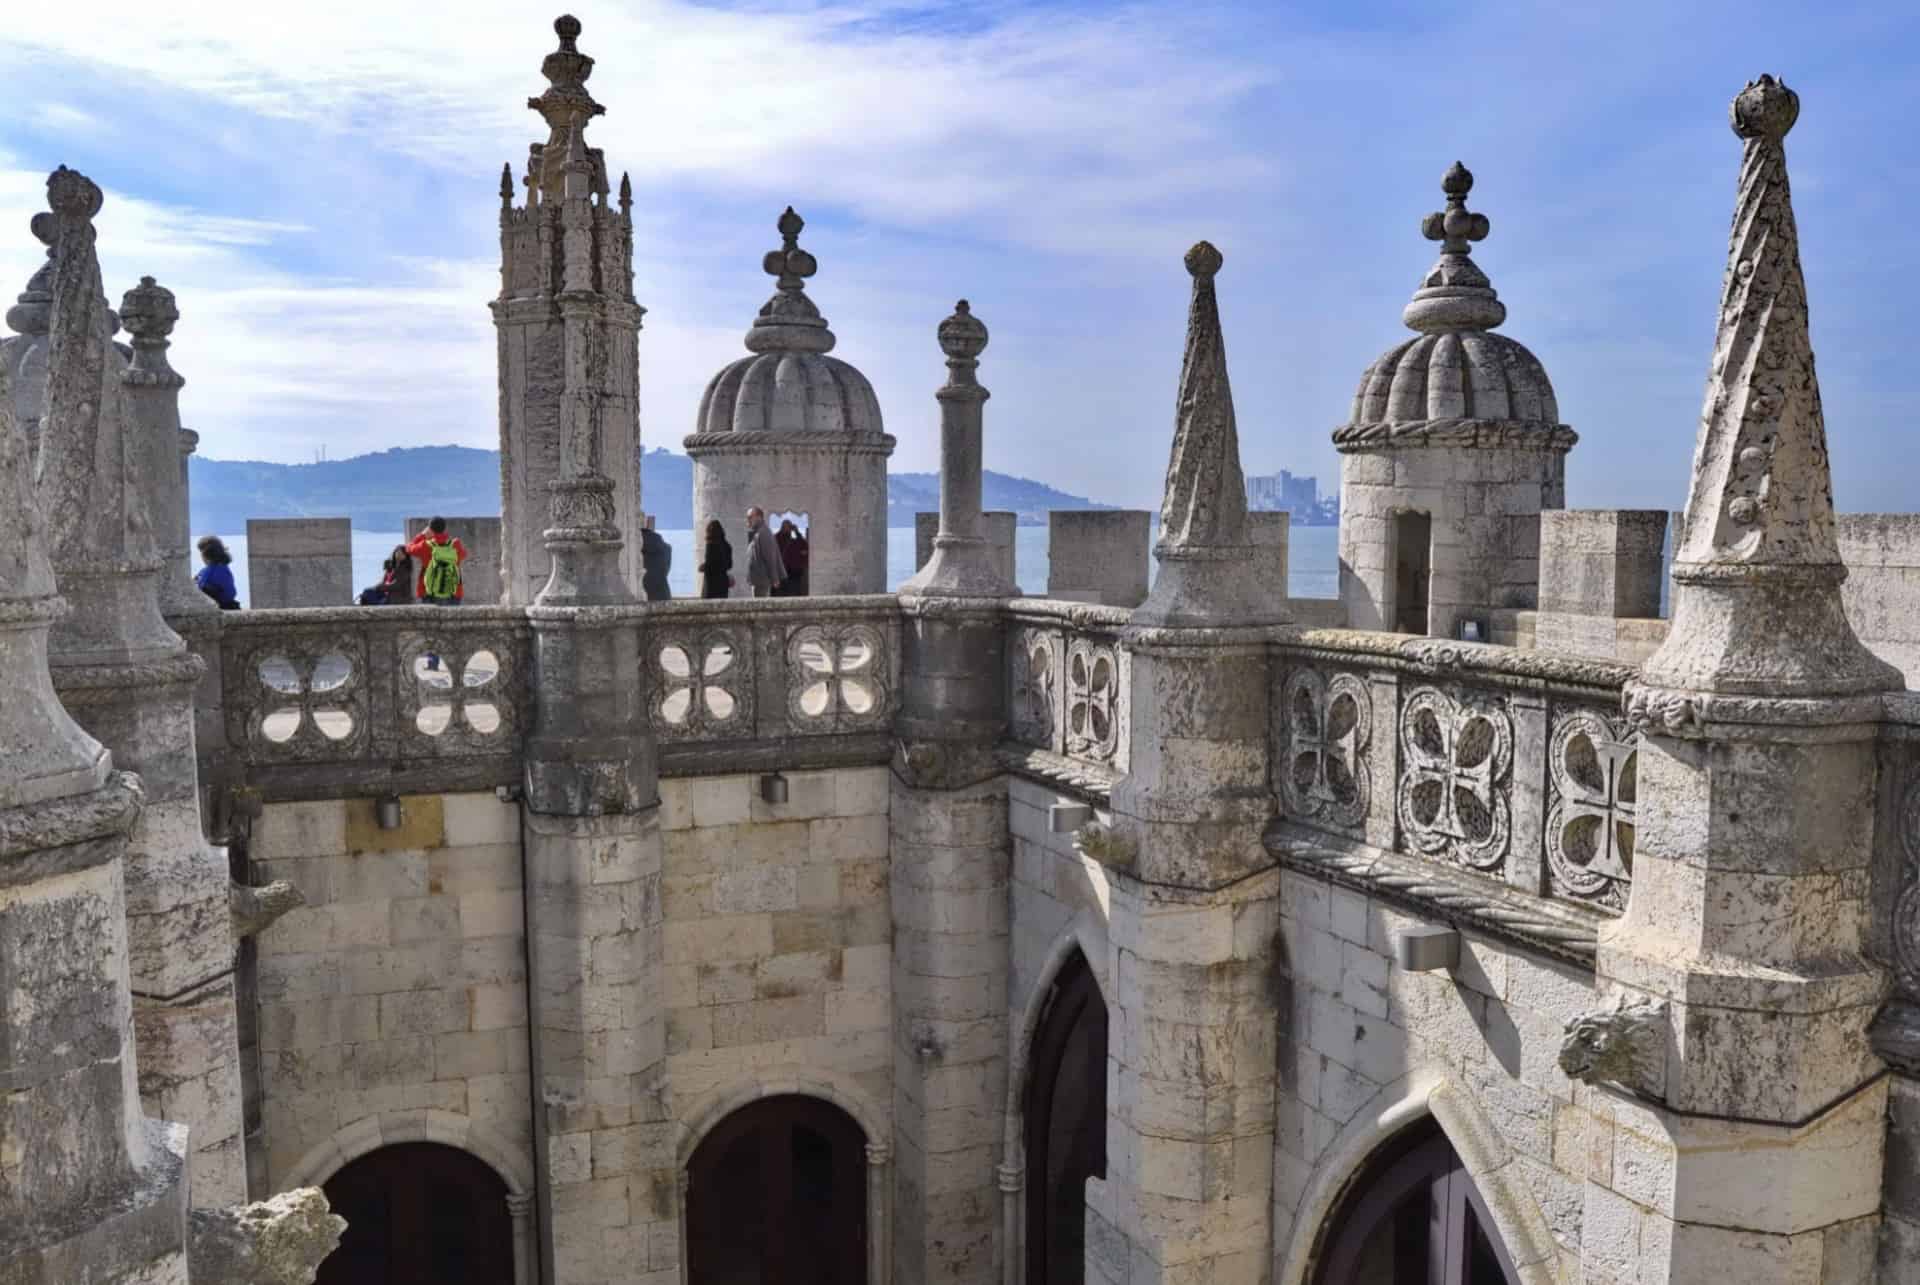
(962, 336)
(1765, 109)
(1456, 294)
(790, 263)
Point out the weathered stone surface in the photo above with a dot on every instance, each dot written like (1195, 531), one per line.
(299, 562)
(280, 1241)
(1098, 555)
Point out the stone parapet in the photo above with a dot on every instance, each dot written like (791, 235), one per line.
(998, 525)
(299, 562)
(1098, 555)
(1602, 562)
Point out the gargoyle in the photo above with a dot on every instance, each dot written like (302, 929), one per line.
(1626, 1044)
(254, 908)
(272, 1242)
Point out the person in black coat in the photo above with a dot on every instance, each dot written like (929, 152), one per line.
(656, 560)
(716, 568)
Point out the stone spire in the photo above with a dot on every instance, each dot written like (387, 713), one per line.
(567, 107)
(1207, 569)
(43, 753)
(1757, 571)
(790, 321)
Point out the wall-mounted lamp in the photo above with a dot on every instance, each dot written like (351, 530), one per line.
(1426, 948)
(1066, 818)
(1472, 631)
(386, 812)
(773, 788)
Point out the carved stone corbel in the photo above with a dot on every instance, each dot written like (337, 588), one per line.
(1625, 1044)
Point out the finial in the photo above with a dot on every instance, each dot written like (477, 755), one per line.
(73, 194)
(1203, 260)
(1765, 109)
(148, 310)
(1456, 225)
(790, 263)
(567, 27)
(1456, 294)
(506, 185)
(962, 336)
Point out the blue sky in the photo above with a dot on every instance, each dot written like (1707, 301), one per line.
(321, 194)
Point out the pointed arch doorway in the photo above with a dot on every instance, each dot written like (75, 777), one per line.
(1414, 1217)
(1066, 1124)
(777, 1195)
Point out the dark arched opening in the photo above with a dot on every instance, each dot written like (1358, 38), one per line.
(419, 1213)
(1066, 1123)
(1414, 1217)
(776, 1195)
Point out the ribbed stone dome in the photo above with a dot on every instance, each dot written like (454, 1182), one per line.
(778, 392)
(1471, 374)
(1455, 380)
(789, 384)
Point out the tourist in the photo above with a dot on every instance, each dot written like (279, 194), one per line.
(656, 559)
(793, 557)
(716, 567)
(765, 572)
(216, 577)
(440, 583)
(396, 581)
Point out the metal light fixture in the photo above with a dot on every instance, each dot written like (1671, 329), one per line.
(386, 812)
(773, 788)
(1066, 818)
(1426, 948)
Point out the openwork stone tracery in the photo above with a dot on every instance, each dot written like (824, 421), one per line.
(1592, 767)
(836, 677)
(702, 684)
(1327, 727)
(1456, 764)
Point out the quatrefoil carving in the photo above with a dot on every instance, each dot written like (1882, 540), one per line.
(1329, 725)
(1456, 757)
(1592, 765)
(699, 689)
(1093, 700)
(309, 701)
(836, 677)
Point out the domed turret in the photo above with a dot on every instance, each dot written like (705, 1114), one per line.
(1453, 448)
(789, 429)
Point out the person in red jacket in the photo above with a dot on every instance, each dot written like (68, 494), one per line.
(444, 590)
(438, 555)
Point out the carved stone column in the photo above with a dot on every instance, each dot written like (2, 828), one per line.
(89, 1188)
(1743, 1138)
(879, 1214)
(951, 875)
(1013, 1246)
(129, 680)
(520, 1213)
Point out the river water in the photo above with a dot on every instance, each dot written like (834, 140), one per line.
(1313, 559)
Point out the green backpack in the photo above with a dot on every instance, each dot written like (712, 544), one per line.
(443, 571)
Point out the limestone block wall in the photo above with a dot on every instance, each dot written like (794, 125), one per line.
(1882, 590)
(1367, 1049)
(1060, 901)
(842, 491)
(777, 964)
(480, 573)
(299, 562)
(1099, 555)
(1484, 504)
(398, 992)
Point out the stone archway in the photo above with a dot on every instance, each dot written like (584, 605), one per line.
(1064, 1123)
(420, 1213)
(777, 1193)
(1413, 1216)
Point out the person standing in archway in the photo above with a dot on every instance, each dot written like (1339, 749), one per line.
(765, 572)
(793, 558)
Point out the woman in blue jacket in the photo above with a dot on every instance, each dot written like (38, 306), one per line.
(216, 577)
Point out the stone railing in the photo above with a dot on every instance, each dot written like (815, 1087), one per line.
(739, 684)
(1510, 765)
(1067, 686)
(361, 699)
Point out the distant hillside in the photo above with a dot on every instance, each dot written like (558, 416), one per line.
(381, 490)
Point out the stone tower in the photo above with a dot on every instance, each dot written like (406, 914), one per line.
(569, 327)
(790, 429)
(1453, 449)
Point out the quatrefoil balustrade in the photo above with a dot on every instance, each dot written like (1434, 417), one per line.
(1456, 764)
(1034, 657)
(701, 686)
(1093, 700)
(303, 699)
(837, 677)
(1592, 771)
(456, 695)
(1327, 728)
